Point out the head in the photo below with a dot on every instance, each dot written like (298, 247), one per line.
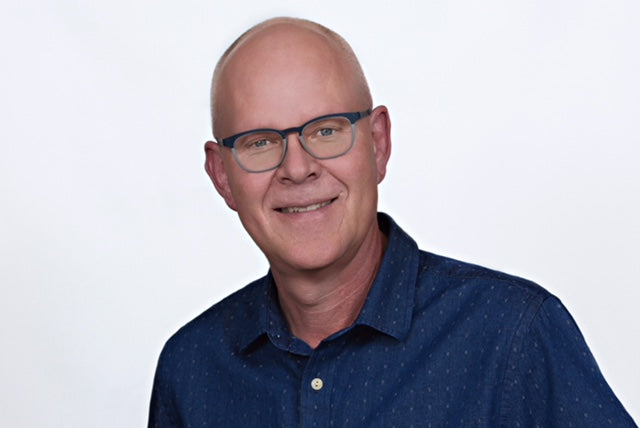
(308, 213)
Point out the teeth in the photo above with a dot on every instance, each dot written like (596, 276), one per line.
(305, 209)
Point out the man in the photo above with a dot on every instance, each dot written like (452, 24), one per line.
(353, 325)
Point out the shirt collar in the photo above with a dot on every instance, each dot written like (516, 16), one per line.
(388, 307)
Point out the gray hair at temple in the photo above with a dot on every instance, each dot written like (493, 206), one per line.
(339, 44)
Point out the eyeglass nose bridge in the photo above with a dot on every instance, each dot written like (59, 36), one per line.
(285, 139)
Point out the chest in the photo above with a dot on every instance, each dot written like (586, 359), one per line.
(359, 380)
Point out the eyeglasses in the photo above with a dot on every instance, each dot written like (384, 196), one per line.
(324, 137)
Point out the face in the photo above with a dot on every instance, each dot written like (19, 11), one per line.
(308, 214)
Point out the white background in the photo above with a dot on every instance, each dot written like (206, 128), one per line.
(516, 132)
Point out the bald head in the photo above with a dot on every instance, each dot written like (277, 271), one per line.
(284, 59)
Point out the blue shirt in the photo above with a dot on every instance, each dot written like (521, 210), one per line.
(438, 343)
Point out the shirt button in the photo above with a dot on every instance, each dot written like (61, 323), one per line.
(317, 384)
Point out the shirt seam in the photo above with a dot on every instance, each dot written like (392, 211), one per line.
(517, 339)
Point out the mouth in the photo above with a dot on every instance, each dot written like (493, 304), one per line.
(305, 209)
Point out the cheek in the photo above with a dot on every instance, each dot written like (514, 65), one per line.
(248, 190)
(365, 177)
(359, 175)
(362, 167)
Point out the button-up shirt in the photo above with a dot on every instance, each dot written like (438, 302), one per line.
(438, 343)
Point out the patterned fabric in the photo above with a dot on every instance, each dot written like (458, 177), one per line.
(438, 343)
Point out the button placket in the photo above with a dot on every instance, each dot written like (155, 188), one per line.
(317, 386)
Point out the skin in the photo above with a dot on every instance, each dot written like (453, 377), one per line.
(323, 260)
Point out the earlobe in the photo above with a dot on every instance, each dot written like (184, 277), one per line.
(381, 134)
(214, 165)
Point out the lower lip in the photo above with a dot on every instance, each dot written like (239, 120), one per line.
(310, 211)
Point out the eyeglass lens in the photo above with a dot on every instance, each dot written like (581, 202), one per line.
(264, 150)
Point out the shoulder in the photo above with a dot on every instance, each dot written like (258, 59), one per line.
(443, 275)
(221, 327)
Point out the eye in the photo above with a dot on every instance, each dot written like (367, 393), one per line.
(261, 143)
(258, 142)
(326, 132)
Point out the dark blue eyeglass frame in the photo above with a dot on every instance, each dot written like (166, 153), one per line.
(352, 117)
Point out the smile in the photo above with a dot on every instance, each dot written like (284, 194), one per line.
(312, 207)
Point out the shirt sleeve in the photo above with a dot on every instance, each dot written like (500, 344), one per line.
(162, 409)
(552, 379)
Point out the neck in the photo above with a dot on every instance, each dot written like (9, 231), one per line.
(318, 304)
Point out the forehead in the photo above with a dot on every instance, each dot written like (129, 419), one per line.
(283, 76)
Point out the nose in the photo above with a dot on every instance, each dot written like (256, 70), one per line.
(298, 165)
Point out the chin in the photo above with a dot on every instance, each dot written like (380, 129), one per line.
(310, 260)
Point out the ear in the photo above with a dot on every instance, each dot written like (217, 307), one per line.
(381, 134)
(214, 165)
